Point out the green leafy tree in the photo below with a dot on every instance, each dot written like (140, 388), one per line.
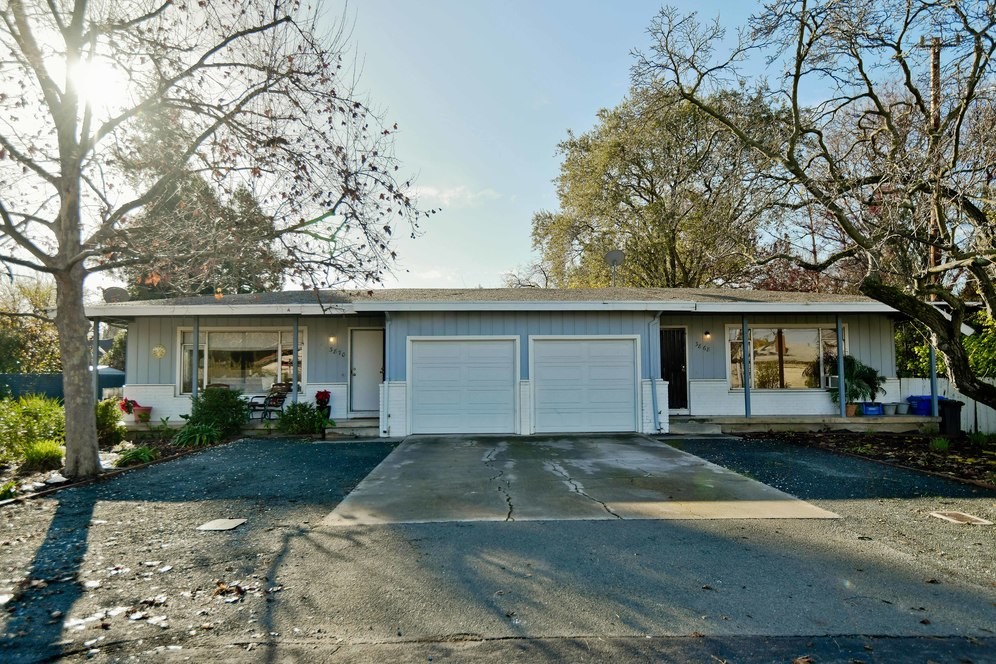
(29, 341)
(199, 239)
(659, 179)
(259, 98)
(898, 160)
(115, 356)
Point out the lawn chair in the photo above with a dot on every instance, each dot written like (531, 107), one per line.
(264, 406)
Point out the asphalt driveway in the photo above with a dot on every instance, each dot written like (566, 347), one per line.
(118, 570)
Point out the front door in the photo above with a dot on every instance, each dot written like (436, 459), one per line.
(673, 369)
(366, 370)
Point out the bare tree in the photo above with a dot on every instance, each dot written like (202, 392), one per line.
(899, 160)
(254, 96)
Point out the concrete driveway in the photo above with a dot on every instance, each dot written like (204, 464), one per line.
(608, 477)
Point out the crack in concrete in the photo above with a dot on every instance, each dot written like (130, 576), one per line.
(559, 470)
(489, 459)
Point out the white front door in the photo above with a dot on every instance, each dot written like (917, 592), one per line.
(366, 369)
(584, 385)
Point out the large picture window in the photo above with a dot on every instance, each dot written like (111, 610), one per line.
(247, 360)
(784, 357)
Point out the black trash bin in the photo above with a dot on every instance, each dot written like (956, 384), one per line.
(950, 412)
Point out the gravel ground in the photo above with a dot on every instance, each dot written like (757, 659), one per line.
(117, 562)
(116, 571)
(881, 502)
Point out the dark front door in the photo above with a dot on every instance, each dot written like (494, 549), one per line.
(673, 369)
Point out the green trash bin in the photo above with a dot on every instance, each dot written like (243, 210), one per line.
(950, 412)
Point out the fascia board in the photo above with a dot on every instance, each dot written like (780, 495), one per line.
(141, 311)
(794, 307)
(523, 306)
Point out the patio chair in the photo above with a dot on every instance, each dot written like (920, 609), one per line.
(265, 405)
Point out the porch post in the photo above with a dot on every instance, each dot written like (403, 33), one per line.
(294, 356)
(746, 361)
(933, 380)
(195, 374)
(96, 359)
(840, 368)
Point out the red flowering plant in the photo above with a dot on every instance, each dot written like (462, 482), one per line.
(322, 398)
(128, 405)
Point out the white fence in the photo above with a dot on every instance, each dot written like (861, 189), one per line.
(974, 415)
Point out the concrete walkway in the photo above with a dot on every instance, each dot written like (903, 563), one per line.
(501, 478)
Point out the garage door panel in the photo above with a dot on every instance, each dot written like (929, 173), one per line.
(584, 385)
(463, 386)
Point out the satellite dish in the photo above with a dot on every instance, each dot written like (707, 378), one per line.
(614, 258)
(116, 294)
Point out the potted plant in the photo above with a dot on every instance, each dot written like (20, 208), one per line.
(138, 412)
(322, 399)
(861, 384)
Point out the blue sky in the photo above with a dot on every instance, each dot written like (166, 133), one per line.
(482, 93)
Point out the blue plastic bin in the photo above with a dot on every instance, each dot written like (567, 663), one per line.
(920, 404)
(871, 409)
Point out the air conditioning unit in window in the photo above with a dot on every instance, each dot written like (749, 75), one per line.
(831, 382)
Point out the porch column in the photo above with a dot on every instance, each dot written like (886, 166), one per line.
(195, 374)
(840, 368)
(746, 362)
(294, 356)
(933, 380)
(96, 359)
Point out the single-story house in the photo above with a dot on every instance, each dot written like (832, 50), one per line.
(516, 361)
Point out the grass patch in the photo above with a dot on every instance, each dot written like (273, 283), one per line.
(42, 455)
(136, 456)
(197, 435)
(939, 444)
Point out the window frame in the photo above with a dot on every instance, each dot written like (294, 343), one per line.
(205, 348)
(818, 327)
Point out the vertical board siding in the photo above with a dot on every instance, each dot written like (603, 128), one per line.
(522, 324)
(870, 339)
(323, 365)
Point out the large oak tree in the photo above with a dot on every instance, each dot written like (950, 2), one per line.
(899, 161)
(661, 180)
(259, 98)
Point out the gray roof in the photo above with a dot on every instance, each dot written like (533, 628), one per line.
(482, 299)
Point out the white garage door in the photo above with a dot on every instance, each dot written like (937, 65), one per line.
(584, 385)
(465, 386)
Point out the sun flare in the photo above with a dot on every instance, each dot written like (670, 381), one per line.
(101, 85)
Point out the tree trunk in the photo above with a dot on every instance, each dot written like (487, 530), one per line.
(82, 458)
(946, 334)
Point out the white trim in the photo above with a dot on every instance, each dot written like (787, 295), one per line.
(349, 367)
(132, 310)
(637, 365)
(516, 370)
(794, 307)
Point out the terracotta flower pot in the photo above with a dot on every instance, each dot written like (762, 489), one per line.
(142, 413)
(851, 409)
